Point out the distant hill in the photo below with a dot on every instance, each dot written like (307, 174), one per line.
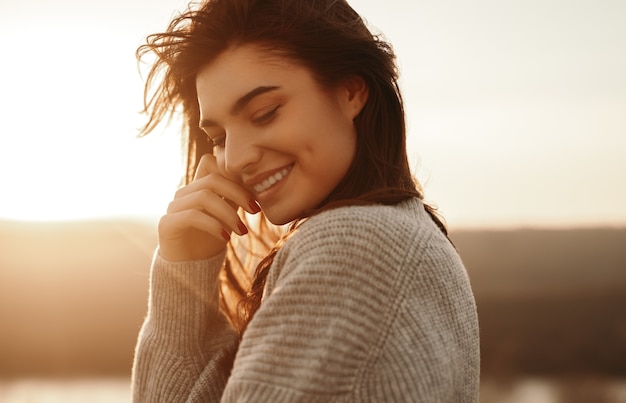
(533, 262)
(549, 301)
(73, 296)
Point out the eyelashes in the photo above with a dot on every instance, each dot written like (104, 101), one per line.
(261, 118)
(265, 115)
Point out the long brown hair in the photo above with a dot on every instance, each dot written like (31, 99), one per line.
(329, 38)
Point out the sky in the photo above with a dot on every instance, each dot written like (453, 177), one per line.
(516, 109)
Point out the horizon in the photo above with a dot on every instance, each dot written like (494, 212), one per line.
(152, 221)
(515, 111)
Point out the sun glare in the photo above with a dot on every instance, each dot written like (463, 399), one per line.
(499, 136)
(68, 147)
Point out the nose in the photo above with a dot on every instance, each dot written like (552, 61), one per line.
(240, 152)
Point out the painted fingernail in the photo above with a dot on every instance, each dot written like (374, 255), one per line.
(225, 235)
(242, 228)
(254, 206)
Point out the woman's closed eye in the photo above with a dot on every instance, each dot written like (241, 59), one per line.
(265, 115)
(261, 117)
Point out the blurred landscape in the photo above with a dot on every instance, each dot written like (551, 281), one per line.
(552, 307)
(72, 296)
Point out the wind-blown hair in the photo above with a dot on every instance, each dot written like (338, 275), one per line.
(330, 39)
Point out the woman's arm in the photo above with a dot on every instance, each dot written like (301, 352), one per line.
(186, 345)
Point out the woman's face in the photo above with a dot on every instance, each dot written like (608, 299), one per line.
(276, 131)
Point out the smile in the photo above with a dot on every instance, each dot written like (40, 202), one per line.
(272, 180)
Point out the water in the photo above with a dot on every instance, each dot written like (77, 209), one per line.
(526, 390)
(98, 390)
(554, 390)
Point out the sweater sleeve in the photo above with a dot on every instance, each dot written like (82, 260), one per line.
(186, 345)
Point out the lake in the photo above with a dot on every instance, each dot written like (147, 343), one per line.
(526, 390)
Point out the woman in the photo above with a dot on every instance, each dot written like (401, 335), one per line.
(294, 109)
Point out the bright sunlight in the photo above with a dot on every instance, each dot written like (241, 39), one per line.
(69, 146)
(507, 126)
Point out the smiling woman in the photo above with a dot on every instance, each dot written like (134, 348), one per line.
(363, 296)
(282, 124)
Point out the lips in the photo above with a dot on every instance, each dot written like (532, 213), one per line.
(272, 180)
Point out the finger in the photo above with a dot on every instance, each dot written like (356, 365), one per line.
(190, 235)
(181, 221)
(233, 192)
(208, 176)
(213, 205)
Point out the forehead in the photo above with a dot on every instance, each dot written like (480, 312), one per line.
(243, 65)
(223, 84)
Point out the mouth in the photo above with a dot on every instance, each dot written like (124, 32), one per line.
(272, 180)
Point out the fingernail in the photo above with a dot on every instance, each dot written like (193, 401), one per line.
(242, 228)
(225, 235)
(254, 206)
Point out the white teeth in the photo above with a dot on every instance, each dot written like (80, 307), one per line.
(271, 181)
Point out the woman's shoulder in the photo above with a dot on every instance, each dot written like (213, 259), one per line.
(364, 247)
(384, 245)
(374, 220)
(386, 232)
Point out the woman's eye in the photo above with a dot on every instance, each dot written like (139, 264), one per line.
(265, 115)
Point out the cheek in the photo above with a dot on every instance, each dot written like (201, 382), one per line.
(221, 165)
(343, 144)
(219, 159)
(348, 153)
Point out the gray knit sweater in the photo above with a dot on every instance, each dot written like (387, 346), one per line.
(362, 304)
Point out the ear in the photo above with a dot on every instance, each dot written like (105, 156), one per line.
(354, 93)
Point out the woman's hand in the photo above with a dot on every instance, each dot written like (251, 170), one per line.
(203, 214)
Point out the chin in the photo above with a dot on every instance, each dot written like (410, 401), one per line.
(280, 217)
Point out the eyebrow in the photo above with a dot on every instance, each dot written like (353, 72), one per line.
(241, 103)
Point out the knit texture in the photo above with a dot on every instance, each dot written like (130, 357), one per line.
(362, 304)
